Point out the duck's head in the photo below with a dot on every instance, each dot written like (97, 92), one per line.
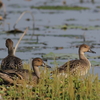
(85, 48)
(39, 62)
(9, 43)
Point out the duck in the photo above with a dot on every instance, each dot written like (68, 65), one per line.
(78, 67)
(1, 4)
(11, 61)
(25, 74)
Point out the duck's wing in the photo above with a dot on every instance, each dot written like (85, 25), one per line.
(6, 78)
(4, 63)
(18, 63)
(11, 62)
(22, 73)
(73, 66)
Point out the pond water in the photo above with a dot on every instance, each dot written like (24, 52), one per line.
(49, 24)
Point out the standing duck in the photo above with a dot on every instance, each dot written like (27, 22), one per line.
(77, 67)
(24, 74)
(11, 61)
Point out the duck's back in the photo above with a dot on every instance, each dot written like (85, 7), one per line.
(11, 62)
(23, 74)
(28, 76)
(75, 67)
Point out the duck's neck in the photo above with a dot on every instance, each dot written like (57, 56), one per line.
(82, 56)
(10, 51)
(36, 71)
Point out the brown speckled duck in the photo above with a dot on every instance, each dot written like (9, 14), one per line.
(1, 4)
(77, 67)
(11, 61)
(25, 74)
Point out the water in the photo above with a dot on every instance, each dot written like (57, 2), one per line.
(50, 39)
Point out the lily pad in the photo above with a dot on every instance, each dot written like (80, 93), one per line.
(60, 7)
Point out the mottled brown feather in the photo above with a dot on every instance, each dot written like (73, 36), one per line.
(80, 66)
(26, 75)
(11, 61)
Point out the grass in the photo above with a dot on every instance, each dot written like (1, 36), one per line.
(55, 88)
(60, 7)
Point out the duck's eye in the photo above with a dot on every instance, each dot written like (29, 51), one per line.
(39, 60)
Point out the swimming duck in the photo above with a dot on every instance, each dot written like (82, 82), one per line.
(24, 74)
(77, 67)
(11, 61)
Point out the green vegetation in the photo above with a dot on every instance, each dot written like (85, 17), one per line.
(65, 27)
(55, 88)
(60, 7)
(25, 49)
(98, 7)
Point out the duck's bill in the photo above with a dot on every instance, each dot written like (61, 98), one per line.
(48, 66)
(91, 51)
(45, 65)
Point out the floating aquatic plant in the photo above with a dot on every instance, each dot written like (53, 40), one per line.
(65, 27)
(60, 7)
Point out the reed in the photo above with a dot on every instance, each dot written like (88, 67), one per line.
(56, 88)
(20, 40)
(21, 17)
